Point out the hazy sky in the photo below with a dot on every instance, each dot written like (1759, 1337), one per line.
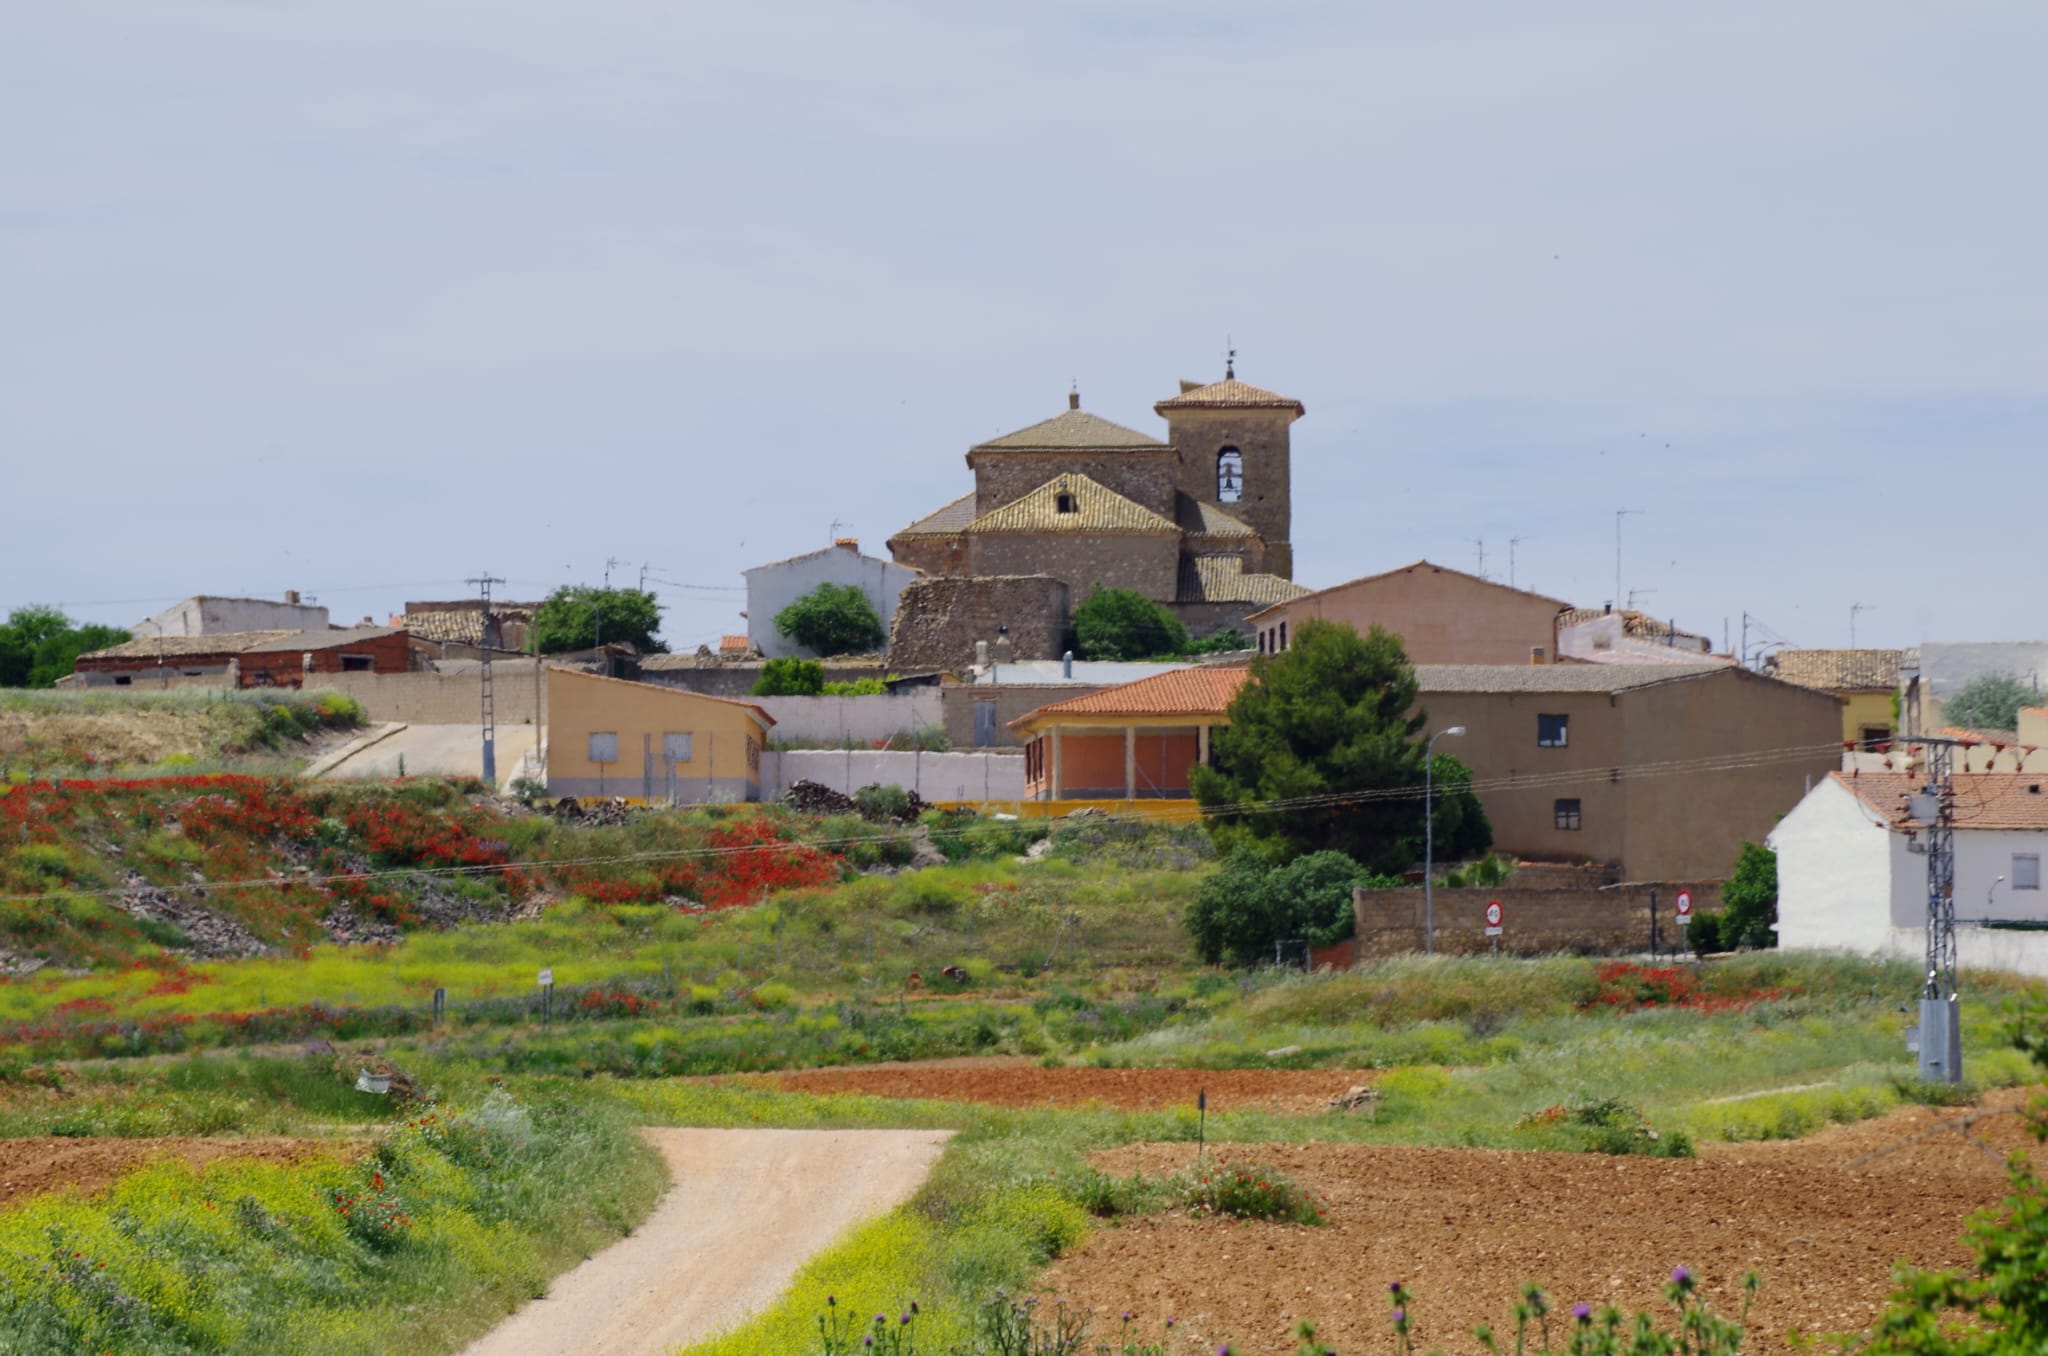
(365, 299)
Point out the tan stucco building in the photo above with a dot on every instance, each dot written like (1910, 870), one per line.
(1443, 616)
(610, 737)
(1662, 771)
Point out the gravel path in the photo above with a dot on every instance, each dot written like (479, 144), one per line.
(747, 1209)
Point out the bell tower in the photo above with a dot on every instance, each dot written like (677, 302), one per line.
(1234, 452)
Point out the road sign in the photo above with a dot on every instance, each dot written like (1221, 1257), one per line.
(1493, 917)
(547, 978)
(1684, 907)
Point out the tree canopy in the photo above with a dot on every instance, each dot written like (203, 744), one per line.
(1749, 899)
(1990, 701)
(578, 617)
(1250, 904)
(833, 619)
(1125, 624)
(39, 645)
(1328, 716)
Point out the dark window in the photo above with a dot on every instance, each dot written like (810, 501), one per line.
(356, 663)
(1567, 812)
(124, 681)
(2026, 870)
(1281, 642)
(1551, 731)
(1065, 502)
(1875, 737)
(1229, 476)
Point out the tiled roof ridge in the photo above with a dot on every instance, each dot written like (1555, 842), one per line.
(1229, 394)
(922, 527)
(1097, 508)
(1073, 430)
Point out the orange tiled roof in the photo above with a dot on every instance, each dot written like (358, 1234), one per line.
(1984, 800)
(1203, 691)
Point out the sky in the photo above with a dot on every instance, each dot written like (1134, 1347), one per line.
(367, 300)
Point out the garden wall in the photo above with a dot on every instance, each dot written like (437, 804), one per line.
(1537, 921)
(436, 698)
(1979, 948)
(863, 720)
(935, 776)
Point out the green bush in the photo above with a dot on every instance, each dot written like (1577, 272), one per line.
(1247, 1191)
(883, 804)
(1703, 936)
(1243, 910)
(790, 678)
(1751, 900)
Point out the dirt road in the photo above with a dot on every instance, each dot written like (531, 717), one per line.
(747, 1209)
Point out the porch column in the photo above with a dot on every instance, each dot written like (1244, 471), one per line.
(1130, 762)
(1202, 745)
(1056, 785)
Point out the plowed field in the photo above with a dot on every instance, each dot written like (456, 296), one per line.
(29, 1167)
(1464, 1228)
(1020, 1084)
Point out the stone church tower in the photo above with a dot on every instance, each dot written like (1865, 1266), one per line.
(1233, 444)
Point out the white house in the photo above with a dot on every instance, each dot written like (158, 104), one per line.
(1849, 877)
(207, 614)
(776, 585)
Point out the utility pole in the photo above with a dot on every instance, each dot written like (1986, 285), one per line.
(490, 710)
(1619, 514)
(1941, 1031)
(1855, 608)
(1480, 542)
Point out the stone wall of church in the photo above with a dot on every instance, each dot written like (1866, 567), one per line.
(934, 555)
(1267, 501)
(1146, 564)
(1206, 619)
(938, 620)
(1147, 476)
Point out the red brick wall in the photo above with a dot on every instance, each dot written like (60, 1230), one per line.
(287, 668)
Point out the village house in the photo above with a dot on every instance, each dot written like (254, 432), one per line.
(774, 586)
(1442, 615)
(613, 737)
(1867, 681)
(461, 629)
(244, 659)
(1659, 771)
(209, 614)
(1852, 864)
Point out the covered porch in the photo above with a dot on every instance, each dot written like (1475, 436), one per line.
(1104, 759)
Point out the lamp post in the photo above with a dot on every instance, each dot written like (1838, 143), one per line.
(1429, 839)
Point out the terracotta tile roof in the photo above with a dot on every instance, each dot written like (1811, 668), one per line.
(459, 624)
(188, 647)
(1222, 579)
(1633, 623)
(1229, 394)
(1073, 431)
(732, 644)
(1438, 569)
(949, 521)
(1202, 519)
(1984, 800)
(1200, 691)
(1837, 670)
(1094, 508)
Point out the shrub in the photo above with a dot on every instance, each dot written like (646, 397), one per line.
(1247, 1191)
(1751, 900)
(790, 678)
(1125, 624)
(880, 804)
(1704, 934)
(1246, 908)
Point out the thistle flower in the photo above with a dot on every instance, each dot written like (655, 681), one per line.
(1583, 1312)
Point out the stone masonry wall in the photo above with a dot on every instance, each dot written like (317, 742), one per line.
(1536, 922)
(1145, 476)
(939, 620)
(1268, 493)
(1148, 564)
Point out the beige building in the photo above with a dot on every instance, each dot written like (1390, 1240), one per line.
(1867, 681)
(1657, 770)
(1443, 616)
(610, 737)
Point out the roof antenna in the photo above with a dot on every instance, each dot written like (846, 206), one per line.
(1229, 359)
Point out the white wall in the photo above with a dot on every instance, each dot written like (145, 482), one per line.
(203, 616)
(770, 588)
(2022, 953)
(1835, 882)
(861, 719)
(935, 776)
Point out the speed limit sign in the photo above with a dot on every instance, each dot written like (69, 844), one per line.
(1684, 907)
(1493, 917)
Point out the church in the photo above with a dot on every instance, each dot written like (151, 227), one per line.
(1199, 521)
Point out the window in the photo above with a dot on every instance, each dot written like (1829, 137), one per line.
(1552, 731)
(1065, 502)
(1229, 476)
(1280, 641)
(1567, 812)
(124, 680)
(2026, 870)
(753, 754)
(604, 746)
(676, 747)
(985, 723)
(355, 663)
(1875, 737)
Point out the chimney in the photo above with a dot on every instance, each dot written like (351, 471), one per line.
(1610, 609)
(850, 543)
(1067, 664)
(1535, 654)
(981, 654)
(292, 596)
(1073, 400)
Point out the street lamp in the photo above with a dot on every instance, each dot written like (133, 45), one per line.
(1989, 891)
(1429, 839)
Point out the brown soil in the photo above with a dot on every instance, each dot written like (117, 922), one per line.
(1016, 1082)
(1464, 1228)
(30, 1167)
